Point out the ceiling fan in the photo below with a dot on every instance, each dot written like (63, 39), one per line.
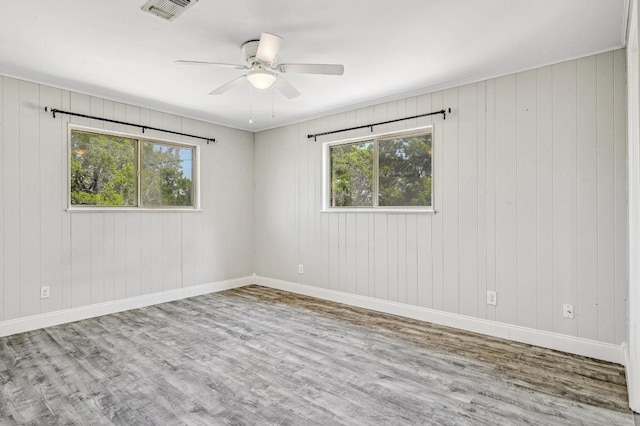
(264, 70)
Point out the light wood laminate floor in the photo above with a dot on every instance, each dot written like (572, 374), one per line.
(261, 356)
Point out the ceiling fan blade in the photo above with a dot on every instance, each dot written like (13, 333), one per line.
(216, 64)
(286, 88)
(327, 69)
(268, 47)
(220, 90)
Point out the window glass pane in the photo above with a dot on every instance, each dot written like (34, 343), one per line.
(352, 175)
(167, 175)
(103, 171)
(404, 170)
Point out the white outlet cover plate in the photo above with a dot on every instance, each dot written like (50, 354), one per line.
(567, 311)
(45, 292)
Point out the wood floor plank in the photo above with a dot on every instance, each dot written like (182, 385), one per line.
(260, 356)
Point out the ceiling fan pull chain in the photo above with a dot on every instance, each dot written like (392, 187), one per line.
(251, 105)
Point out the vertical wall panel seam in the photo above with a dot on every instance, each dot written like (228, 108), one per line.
(576, 308)
(553, 222)
(309, 198)
(386, 258)
(433, 199)
(495, 227)
(39, 201)
(577, 227)
(370, 239)
(406, 263)
(484, 194)
(477, 206)
(517, 142)
(19, 280)
(398, 261)
(613, 180)
(90, 231)
(484, 190)
(142, 268)
(537, 203)
(62, 236)
(328, 236)
(104, 239)
(342, 245)
(442, 177)
(179, 217)
(399, 285)
(537, 320)
(458, 160)
(91, 255)
(597, 210)
(309, 208)
(298, 204)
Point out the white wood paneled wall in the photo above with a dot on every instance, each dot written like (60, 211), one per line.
(89, 258)
(633, 90)
(530, 189)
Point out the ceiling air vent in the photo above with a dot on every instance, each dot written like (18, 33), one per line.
(168, 9)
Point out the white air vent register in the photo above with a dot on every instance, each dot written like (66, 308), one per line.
(168, 9)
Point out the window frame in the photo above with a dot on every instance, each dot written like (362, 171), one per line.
(139, 139)
(375, 208)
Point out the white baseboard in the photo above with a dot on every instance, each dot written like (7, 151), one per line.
(20, 325)
(570, 344)
(575, 345)
(627, 368)
(634, 401)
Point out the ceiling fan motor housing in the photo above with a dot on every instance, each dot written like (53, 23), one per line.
(250, 49)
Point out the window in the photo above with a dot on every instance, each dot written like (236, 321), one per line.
(389, 171)
(114, 170)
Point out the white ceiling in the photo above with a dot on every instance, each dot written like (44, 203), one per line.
(390, 49)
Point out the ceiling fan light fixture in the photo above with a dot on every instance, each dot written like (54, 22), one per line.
(261, 79)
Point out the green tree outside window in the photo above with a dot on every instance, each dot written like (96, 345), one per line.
(400, 167)
(104, 172)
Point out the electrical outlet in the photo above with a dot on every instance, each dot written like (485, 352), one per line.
(45, 292)
(492, 298)
(301, 269)
(567, 311)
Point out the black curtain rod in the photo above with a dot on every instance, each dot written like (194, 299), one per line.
(55, 111)
(442, 111)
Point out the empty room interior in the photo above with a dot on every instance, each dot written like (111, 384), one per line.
(339, 212)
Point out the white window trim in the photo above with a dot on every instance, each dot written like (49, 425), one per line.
(326, 173)
(140, 138)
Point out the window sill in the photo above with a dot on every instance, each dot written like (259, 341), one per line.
(127, 210)
(379, 210)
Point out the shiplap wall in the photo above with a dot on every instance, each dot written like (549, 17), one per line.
(89, 258)
(530, 189)
(633, 91)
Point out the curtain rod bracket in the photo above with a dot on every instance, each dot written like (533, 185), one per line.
(53, 111)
